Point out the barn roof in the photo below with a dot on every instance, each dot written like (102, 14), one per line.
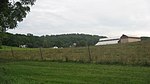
(125, 36)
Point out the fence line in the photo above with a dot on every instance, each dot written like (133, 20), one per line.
(88, 54)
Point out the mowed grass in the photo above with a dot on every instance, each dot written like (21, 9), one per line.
(38, 72)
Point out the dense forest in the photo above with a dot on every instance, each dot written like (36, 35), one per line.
(47, 41)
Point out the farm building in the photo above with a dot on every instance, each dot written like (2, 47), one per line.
(122, 39)
(128, 39)
(106, 41)
(22, 46)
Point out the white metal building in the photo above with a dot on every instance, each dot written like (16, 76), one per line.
(106, 41)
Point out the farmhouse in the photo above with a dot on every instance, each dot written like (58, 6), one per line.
(122, 39)
(106, 41)
(128, 39)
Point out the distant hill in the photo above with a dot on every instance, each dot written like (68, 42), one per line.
(63, 40)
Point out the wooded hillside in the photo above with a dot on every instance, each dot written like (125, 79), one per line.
(64, 40)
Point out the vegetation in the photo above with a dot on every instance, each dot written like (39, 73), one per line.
(12, 12)
(31, 72)
(145, 38)
(73, 66)
(64, 40)
(127, 54)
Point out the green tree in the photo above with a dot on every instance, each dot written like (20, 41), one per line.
(12, 12)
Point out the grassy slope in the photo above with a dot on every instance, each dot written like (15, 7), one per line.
(31, 72)
(131, 53)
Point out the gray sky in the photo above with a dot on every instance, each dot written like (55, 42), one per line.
(100, 17)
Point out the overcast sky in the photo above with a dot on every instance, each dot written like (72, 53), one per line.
(97, 17)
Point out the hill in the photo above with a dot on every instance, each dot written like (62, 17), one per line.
(47, 41)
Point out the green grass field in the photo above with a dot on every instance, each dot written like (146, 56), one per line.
(38, 72)
(110, 64)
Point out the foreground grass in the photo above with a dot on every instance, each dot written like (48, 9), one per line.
(36, 72)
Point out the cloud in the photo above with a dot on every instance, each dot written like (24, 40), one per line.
(101, 17)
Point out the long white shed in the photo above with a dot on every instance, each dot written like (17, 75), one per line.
(106, 41)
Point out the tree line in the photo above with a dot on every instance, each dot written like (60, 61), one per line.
(47, 41)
